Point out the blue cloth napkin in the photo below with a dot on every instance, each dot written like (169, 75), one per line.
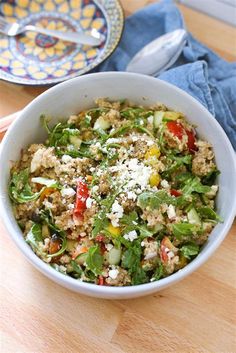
(198, 71)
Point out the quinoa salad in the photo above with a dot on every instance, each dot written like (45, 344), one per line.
(117, 195)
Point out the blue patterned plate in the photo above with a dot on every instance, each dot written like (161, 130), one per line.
(36, 59)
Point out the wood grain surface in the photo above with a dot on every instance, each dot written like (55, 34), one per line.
(197, 315)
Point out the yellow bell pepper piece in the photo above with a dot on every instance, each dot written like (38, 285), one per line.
(154, 179)
(153, 151)
(115, 231)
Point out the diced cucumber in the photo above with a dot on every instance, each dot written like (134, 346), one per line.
(157, 118)
(172, 115)
(101, 123)
(45, 231)
(193, 217)
(75, 141)
(158, 227)
(114, 256)
(71, 244)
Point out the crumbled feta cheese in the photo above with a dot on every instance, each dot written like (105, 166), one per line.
(36, 160)
(170, 255)
(165, 184)
(134, 172)
(150, 119)
(150, 143)
(171, 212)
(113, 273)
(131, 195)
(89, 202)
(95, 188)
(117, 212)
(67, 192)
(71, 206)
(66, 158)
(150, 255)
(108, 246)
(47, 204)
(131, 235)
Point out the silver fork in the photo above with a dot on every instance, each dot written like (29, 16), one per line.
(12, 29)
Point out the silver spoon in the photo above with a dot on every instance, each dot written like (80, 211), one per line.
(158, 55)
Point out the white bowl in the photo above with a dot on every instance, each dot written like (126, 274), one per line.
(78, 94)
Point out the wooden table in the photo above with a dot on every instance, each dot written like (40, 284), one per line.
(195, 315)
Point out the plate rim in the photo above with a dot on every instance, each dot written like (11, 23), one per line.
(20, 81)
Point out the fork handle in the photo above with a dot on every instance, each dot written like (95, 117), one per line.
(74, 37)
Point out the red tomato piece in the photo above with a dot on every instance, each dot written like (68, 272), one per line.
(100, 238)
(176, 129)
(175, 193)
(191, 140)
(82, 193)
(101, 281)
(164, 256)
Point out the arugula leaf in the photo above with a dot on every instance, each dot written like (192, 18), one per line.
(19, 188)
(50, 183)
(154, 200)
(47, 217)
(189, 249)
(175, 162)
(210, 177)
(44, 121)
(100, 220)
(94, 260)
(139, 276)
(195, 185)
(34, 236)
(181, 230)
(158, 273)
(76, 268)
(62, 249)
(132, 261)
(132, 222)
(209, 213)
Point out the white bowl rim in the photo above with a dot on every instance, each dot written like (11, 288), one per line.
(94, 289)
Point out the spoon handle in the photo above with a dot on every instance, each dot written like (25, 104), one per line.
(6, 121)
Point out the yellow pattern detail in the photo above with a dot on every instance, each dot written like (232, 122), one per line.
(75, 4)
(39, 75)
(91, 53)
(79, 57)
(19, 72)
(88, 11)
(3, 43)
(20, 12)
(4, 62)
(42, 56)
(17, 64)
(23, 3)
(97, 23)
(66, 66)
(7, 55)
(76, 14)
(32, 69)
(64, 8)
(49, 70)
(59, 73)
(7, 10)
(85, 23)
(49, 6)
(79, 65)
(34, 7)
